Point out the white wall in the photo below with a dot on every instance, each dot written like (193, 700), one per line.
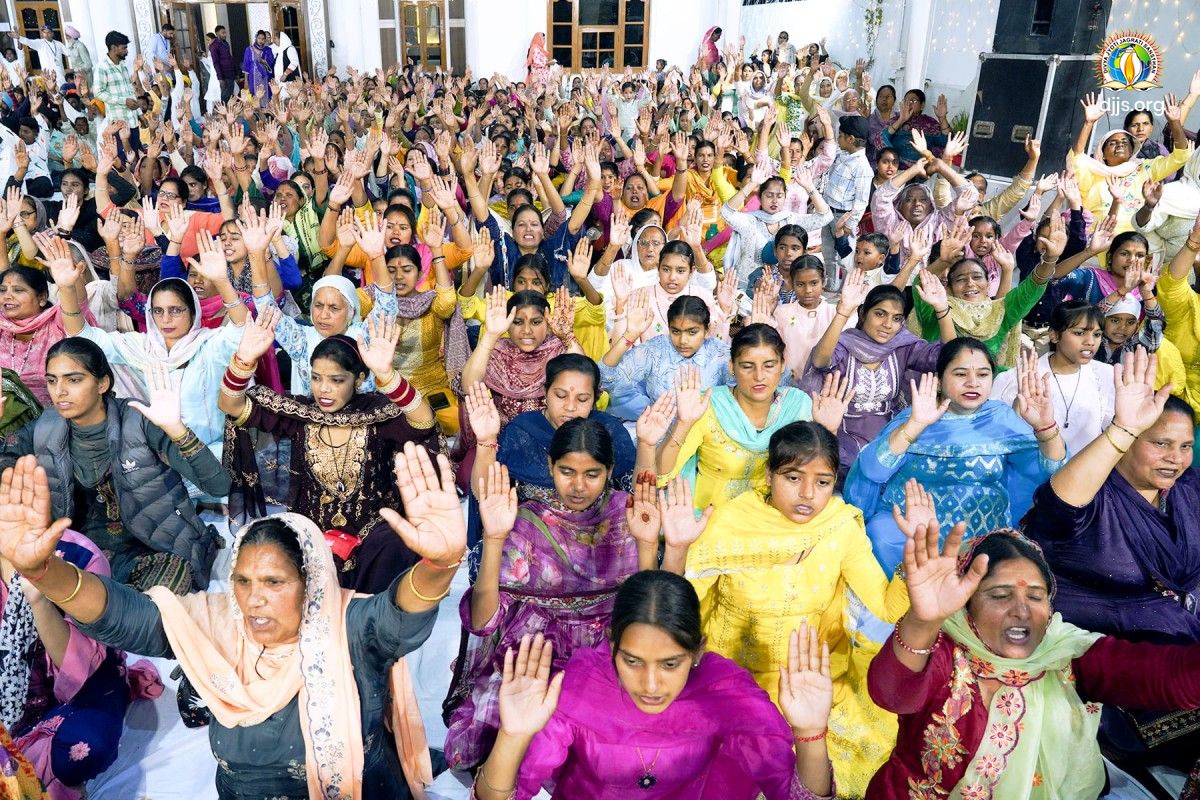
(354, 31)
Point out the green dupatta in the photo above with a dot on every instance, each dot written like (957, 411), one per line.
(1040, 740)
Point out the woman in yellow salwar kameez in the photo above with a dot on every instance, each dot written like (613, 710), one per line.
(767, 561)
(719, 438)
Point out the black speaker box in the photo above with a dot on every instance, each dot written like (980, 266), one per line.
(1009, 99)
(1045, 27)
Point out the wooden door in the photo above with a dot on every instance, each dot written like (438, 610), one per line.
(31, 16)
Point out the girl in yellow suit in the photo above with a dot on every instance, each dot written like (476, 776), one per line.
(766, 562)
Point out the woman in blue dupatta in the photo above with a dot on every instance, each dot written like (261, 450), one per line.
(258, 63)
(875, 356)
(979, 459)
(720, 436)
(637, 375)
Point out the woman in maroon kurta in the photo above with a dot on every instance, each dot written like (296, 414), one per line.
(997, 695)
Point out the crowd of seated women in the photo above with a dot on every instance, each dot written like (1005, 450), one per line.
(783, 458)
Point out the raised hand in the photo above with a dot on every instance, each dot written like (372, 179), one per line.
(1034, 403)
(165, 401)
(368, 232)
(57, 257)
(482, 251)
(918, 509)
(926, 409)
(581, 260)
(434, 235)
(690, 401)
(680, 526)
(829, 406)
(932, 291)
(68, 215)
(1055, 239)
(258, 334)
(133, 239)
(642, 515)
(727, 289)
(379, 351)
(1137, 405)
(1152, 192)
(806, 685)
(433, 525)
(528, 696)
(854, 292)
(957, 143)
(497, 499)
(1094, 107)
(1102, 237)
(481, 410)
(28, 532)
(936, 590)
(210, 261)
(655, 420)
(639, 315)
(497, 318)
(619, 232)
(1004, 258)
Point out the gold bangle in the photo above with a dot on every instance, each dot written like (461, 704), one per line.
(421, 597)
(71, 596)
(1190, 245)
(1050, 438)
(1113, 442)
(911, 441)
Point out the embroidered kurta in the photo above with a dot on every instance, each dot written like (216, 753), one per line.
(650, 369)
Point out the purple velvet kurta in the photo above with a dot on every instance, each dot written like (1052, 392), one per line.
(721, 739)
(1118, 559)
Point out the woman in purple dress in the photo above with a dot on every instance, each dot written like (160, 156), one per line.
(547, 567)
(1120, 531)
(258, 63)
(649, 713)
(875, 356)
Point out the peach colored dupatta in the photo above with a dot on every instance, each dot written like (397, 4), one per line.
(222, 667)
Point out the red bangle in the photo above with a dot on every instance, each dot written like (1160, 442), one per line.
(916, 651)
(491, 445)
(810, 739)
(1048, 427)
(629, 342)
(41, 574)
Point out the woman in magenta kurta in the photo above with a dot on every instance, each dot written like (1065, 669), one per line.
(649, 714)
(997, 695)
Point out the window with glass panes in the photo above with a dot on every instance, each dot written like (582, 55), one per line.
(589, 34)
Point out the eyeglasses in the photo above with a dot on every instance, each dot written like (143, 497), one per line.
(169, 195)
(648, 243)
(170, 311)
(28, 214)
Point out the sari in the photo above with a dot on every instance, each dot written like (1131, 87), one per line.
(18, 781)
(537, 61)
(240, 688)
(745, 566)
(709, 54)
(525, 447)
(981, 468)
(559, 575)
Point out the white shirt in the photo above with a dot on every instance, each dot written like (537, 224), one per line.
(1084, 403)
(50, 54)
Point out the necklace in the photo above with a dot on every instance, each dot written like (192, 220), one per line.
(647, 780)
(340, 459)
(1079, 380)
(12, 355)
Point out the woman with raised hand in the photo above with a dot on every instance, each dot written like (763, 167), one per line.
(572, 387)
(721, 434)
(513, 367)
(647, 710)
(293, 668)
(1119, 529)
(335, 304)
(341, 438)
(547, 566)
(997, 695)
(979, 458)
(121, 469)
(874, 356)
(175, 336)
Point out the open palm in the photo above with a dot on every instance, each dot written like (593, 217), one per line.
(28, 535)
(528, 696)
(805, 685)
(936, 589)
(433, 525)
(679, 523)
